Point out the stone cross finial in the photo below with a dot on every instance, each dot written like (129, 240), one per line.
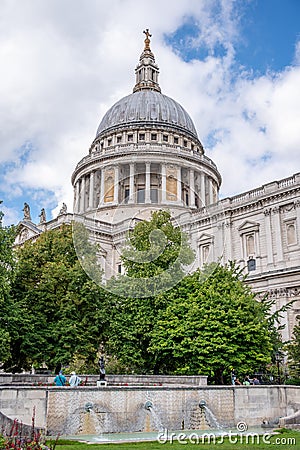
(147, 40)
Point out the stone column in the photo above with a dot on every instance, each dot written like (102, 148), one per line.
(192, 188)
(210, 192)
(227, 240)
(277, 233)
(131, 183)
(116, 186)
(179, 199)
(102, 187)
(77, 197)
(163, 184)
(297, 206)
(91, 193)
(147, 183)
(202, 188)
(268, 229)
(82, 194)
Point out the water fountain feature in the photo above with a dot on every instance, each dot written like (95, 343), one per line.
(209, 415)
(145, 407)
(154, 416)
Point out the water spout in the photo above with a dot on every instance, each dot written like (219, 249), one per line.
(148, 405)
(210, 417)
(88, 406)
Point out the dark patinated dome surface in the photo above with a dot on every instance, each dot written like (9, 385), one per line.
(146, 106)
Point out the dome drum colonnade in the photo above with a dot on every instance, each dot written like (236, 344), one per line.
(146, 151)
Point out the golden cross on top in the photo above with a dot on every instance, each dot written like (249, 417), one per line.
(147, 40)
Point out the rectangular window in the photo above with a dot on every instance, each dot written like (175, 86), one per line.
(185, 143)
(153, 136)
(130, 137)
(127, 191)
(141, 195)
(119, 268)
(119, 139)
(165, 138)
(108, 142)
(141, 136)
(154, 195)
(175, 140)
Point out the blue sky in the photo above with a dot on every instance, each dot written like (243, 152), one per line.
(66, 62)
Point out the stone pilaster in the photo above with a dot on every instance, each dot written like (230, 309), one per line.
(270, 258)
(228, 240)
(277, 233)
(297, 206)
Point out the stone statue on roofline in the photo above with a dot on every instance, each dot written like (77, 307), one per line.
(63, 209)
(26, 211)
(42, 216)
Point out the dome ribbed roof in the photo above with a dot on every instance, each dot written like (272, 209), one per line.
(146, 106)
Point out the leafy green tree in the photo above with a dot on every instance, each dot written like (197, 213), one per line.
(7, 262)
(155, 255)
(154, 259)
(294, 353)
(213, 323)
(64, 313)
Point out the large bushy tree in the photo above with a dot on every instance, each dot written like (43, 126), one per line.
(8, 313)
(294, 352)
(213, 323)
(207, 323)
(154, 258)
(64, 312)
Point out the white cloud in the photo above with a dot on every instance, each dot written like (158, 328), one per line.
(66, 62)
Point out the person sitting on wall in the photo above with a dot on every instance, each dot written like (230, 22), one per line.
(60, 379)
(74, 380)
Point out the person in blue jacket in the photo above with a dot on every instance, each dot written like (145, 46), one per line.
(60, 379)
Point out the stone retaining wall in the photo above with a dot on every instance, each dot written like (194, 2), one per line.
(91, 380)
(90, 410)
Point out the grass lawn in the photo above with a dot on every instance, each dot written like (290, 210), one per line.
(289, 439)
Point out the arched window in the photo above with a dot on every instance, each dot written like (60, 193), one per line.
(291, 233)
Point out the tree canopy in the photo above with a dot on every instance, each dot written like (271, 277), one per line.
(208, 323)
(7, 263)
(63, 314)
(213, 324)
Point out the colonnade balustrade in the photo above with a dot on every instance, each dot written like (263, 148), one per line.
(155, 183)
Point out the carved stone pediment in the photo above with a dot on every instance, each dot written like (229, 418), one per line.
(26, 231)
(205, 239)
(248, 226)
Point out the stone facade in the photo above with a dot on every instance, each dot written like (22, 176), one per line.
(147, 156)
